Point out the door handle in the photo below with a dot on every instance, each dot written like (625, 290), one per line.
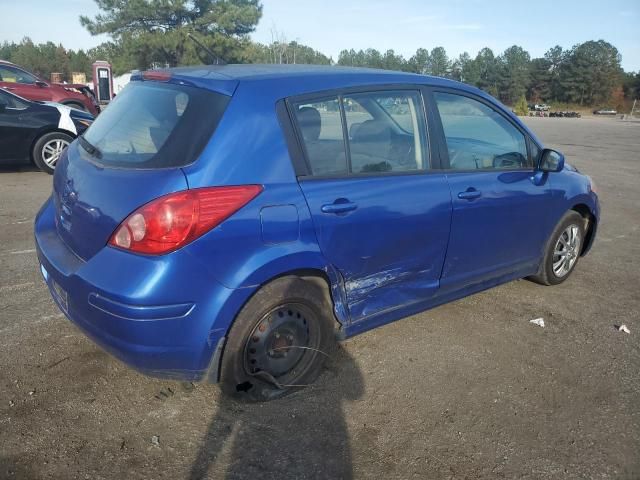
(470, 194)
(342, 207)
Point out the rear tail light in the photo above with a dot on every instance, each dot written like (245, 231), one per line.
(170, 222)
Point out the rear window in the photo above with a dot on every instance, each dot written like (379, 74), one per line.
(155, 125)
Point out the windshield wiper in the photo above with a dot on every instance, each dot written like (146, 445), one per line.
(93, 150)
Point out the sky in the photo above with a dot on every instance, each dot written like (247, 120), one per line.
(402, 25)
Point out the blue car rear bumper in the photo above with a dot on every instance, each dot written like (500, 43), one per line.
(164, 317)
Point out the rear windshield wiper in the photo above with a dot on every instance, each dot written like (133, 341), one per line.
(89, 147)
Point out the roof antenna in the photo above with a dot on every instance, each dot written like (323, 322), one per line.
(214, 58)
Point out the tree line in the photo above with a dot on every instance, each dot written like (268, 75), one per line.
(587, 74)
(149, 33)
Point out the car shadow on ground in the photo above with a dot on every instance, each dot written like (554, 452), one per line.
(303, 435)
(19, 168)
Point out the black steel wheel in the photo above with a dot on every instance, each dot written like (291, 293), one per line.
(279, 341)
(283, 343)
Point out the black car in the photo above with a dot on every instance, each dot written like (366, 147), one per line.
(37, 131)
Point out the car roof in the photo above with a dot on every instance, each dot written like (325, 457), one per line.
(280, 71)
(290, 80)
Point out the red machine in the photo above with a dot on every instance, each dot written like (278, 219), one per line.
(102, 81)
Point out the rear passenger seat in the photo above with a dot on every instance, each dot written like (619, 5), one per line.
(328, 155)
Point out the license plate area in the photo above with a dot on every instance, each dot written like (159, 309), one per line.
(59, 294)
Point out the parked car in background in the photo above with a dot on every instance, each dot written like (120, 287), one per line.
(37, 132)
(217, 223)
(17, 80)
(541, 107)
(605, 111)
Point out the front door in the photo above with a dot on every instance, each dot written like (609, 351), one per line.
(16, 129)
(499, 223)
(22, 83)
(380, 212)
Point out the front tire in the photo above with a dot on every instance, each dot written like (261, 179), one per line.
(562, 251)
(279, 341)
(48, 148)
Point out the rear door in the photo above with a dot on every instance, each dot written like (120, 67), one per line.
(499, 223)
(380, 211)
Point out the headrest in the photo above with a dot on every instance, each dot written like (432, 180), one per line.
(310, 123)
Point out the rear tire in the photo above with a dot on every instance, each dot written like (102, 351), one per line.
(48, 148)
(279, 341)
(563, 250)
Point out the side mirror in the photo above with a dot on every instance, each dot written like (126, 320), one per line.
(551, 161)
(41, 84)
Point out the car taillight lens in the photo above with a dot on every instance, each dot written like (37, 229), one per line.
(170, 222)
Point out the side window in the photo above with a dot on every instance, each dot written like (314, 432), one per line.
(321, 130)
(478, 137)
(386, 132)
(13, 75)
(11, 101)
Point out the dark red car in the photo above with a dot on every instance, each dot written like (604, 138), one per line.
(27, 85)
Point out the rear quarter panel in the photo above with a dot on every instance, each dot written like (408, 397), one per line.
(249, 147)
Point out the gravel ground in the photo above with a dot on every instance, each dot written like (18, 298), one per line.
(467, 390)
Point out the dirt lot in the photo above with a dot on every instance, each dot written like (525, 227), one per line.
(467, 390)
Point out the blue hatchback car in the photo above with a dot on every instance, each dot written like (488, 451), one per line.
(225, 223)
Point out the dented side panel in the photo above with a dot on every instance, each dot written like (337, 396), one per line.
(389, 251)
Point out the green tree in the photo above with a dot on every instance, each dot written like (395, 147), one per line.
(79, 62)
(392, 61)
(487, 70)
(419, 62)
(514, 74)
(149, 31)
(292, 52)
(466, 69)
(589, 73)
(631, 85)
(539, 88)
(439, 64)
(521, 107)
(555, 57)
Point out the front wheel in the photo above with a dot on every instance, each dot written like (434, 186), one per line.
(48, 148)
(279, 341)
(563, 250)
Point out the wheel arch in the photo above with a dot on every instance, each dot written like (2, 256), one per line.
(328, 279)
(324, 276)
(589, 227)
